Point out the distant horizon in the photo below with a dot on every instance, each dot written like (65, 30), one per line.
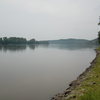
(47, 39)
(49, 19)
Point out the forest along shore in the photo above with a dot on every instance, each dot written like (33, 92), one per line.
(86, 86)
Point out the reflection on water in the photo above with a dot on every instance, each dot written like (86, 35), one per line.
(16, 47)
(72, 46)
(12, 47)
(40, 71)
(59, 46)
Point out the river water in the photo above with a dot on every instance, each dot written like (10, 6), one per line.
(40, 72)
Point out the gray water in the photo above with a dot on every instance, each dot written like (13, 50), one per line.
(40, 72)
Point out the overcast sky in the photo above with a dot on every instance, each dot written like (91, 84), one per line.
(49, 19)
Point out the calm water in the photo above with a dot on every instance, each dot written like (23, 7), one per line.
(40, 72)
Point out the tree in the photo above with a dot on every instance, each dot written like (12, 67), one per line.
(1, 40)
(16, 40)
(99, 37)
(32, 41)
(5, 40)
(99, 31)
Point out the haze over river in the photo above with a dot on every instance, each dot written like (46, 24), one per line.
(40, 72)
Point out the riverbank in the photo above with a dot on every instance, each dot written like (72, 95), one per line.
(86, 86)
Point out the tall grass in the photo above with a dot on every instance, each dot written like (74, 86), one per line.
(91, 95)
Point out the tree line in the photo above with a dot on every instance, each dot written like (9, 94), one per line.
(16, 40)
(99, 37)
(99, 31)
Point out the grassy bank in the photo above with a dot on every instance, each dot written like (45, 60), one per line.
(88, 88)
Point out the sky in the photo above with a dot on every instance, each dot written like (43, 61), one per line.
(49, 19)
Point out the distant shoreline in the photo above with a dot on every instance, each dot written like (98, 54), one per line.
(70, 41)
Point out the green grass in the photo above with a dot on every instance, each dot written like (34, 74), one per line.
(91, 95)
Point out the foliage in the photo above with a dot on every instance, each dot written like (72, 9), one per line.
(15, 40)
(98, 23)
(99, 36)
(32, 41)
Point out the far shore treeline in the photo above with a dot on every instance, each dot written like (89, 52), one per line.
(16, 40)
(21, 41)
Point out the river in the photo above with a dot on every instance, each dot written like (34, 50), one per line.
(40, 72)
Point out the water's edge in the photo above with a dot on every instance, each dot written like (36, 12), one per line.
(75, 83)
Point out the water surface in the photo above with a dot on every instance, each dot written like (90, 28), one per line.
(40, 72)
